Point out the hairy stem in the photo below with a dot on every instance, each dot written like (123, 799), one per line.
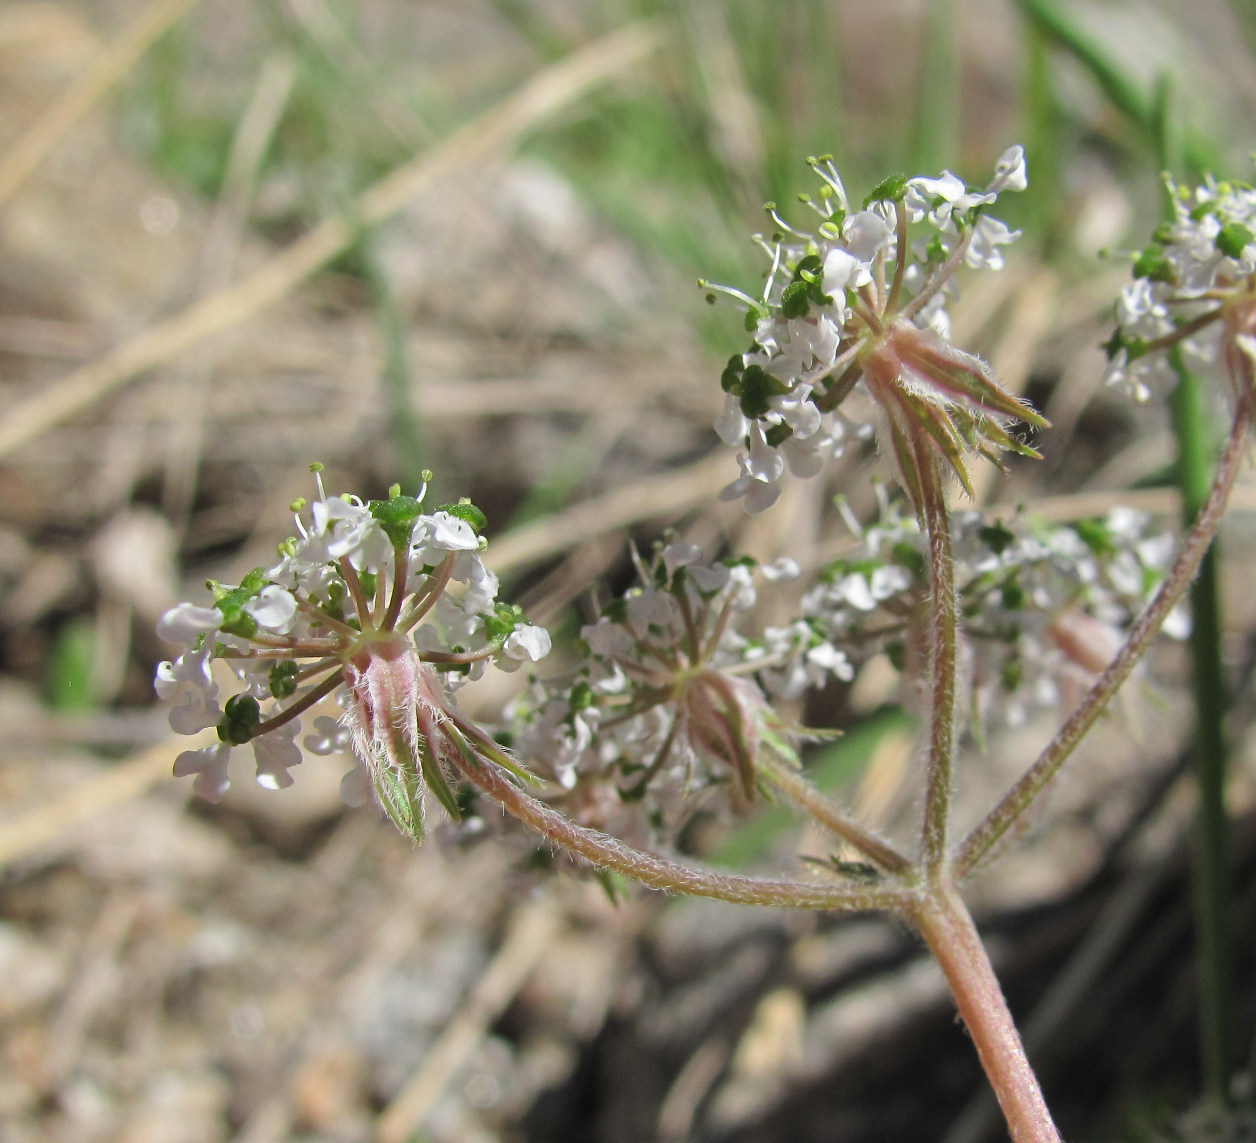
(830, 815)
(1018, 799)
(943, 659)
(947, 927)
(605, 852)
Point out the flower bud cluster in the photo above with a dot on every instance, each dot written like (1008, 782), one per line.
(859, 303)
(380, 604)
(1040, 605)
(1193, 285)
(672, 698)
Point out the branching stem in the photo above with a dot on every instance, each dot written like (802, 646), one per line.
(1017, 800)
(605, 852)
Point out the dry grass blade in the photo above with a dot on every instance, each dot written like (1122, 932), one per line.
(119, 784)
(531, 932)
(218, 260)
(666, 495)
(48, 130)
(481, 139)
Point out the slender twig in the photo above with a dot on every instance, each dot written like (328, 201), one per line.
(424, 600)
(401, 573)
(943, 274)
(1018, 799)
(900, 266)
(605, 852)
(1185, 330)
(320, 616)
(310, 698)
(830, 815)
(943, 659)
(350, 575)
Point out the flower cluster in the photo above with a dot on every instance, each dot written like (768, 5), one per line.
(1041, 606)
(361, 605)
(1194, 286)
(859, 303)
(671, 699)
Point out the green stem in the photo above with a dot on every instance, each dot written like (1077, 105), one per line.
(1211, 863)
(830, 815)
(1018, 799)
(943, 658)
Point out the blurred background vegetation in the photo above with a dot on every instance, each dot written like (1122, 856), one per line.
(391, 235)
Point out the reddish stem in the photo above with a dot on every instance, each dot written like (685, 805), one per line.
(986, 836)
(947, 927)
(943, 657)
(605, 852)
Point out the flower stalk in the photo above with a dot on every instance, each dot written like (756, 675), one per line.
(483, 766)
(943, 665)
(983, 839)
(944, 922)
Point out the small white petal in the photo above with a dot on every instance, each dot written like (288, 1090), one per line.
(527, 642)
(782, 569)
(186, 622)
(866, 233)
(731, 425)
(1009, 172)
(842, 271)
(274, 609)
(209, 764)
(680, 555)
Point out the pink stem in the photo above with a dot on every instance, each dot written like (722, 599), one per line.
(947, 927)
(605, 852)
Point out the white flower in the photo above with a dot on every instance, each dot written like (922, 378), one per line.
(939, 199)
(764, 462)
(355, 788)
(185, 623)
(781, 569)
(843, 271)
(825, 659)
(186, 683)
(276, 752)
(678, 555)
(607, 640)
(826, 314)
(350, 531)
(798, 411)
(759, 495)
(709, 578)
(648, 608)
(482, 584)
(274, 609)
(866, 234)
(731, 425)
(1009, 172)
(527, 643)
(331, 736)
(440, 533)
(983, 251)
(209, 764)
